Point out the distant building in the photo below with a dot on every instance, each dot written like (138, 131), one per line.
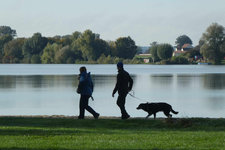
(178, 52)
(145, 57)
(185, 48)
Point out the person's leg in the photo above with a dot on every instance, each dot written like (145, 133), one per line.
(89, 109)
(121, 103)
(82, 107)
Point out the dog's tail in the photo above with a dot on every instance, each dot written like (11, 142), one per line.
(175, 112)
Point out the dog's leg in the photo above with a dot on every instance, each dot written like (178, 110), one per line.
(168, 114)
(154, 115)
(147, 116)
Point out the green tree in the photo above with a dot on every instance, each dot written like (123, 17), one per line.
(66, 40)
(105, 60)
(48, 56)
(13, 51)
(6, 30)
(222, 47)
(183, 39)
(125, 47)
(1, 58)
(154, 43)
(101, 59)
(90, 44)
(55, 39)
(76, 35)
(65, 55)
(213, 40)
(35, 59)
(100, 47)
(34, 46)
(6, 35)
(85, 44)
(153, 51)
(165, 51)
(3, 40)
(193, 52)
(112, 48)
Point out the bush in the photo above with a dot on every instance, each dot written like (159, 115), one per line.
(35, 59)
(164, 62)
(179, 60)
(105, 60)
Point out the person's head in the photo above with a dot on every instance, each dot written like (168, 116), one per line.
(120, 65)
(83, 69)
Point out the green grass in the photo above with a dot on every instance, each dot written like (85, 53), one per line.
(223, 62)
(19, 133)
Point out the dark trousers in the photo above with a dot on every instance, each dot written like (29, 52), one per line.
(121, 103)
(84, 105)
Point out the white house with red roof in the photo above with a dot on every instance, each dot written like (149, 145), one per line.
(185, 48)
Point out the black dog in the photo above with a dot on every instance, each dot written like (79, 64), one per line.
(153, 108)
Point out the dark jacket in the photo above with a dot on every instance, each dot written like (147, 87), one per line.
(85, 86)
(124, 82)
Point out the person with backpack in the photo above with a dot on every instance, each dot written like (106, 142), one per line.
(85, 89)
(123, 86)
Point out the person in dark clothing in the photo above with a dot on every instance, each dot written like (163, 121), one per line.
(85, 89)
(123, 86)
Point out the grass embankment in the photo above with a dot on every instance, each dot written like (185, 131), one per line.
(36, 133)
(223, 62)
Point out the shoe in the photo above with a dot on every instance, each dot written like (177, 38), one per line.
(125, 117)
(96, 115)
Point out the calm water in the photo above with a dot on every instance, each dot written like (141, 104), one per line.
(193, 90)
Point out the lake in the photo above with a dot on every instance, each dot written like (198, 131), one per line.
(193, 90)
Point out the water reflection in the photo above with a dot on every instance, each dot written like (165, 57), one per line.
(7, 82)
(38, 81)
(201, 95)
(103, 81)
(162, 79)
(214, 81)
(185, 80)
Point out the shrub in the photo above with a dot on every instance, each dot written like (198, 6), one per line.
(35, 59)
(179, 60)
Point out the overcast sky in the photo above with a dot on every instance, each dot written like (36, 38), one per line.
(144, 21)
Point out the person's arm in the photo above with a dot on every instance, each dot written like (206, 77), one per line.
(116, 86)
(79, 85)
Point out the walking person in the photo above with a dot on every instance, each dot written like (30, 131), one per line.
(123, 86)
(85, 89)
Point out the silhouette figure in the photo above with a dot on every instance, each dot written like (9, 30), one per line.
(85, 89)
(123, 86)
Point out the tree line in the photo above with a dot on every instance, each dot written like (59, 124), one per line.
(88, 47)
(211, 48)
(78, 47)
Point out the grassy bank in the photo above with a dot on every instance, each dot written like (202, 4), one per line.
(36, 133)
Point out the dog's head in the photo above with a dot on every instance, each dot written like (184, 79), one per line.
(141, 106)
